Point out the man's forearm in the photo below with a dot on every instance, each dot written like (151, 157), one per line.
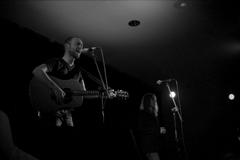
(43, 76)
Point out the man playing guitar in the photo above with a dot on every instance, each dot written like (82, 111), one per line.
(63, 68)
(57, 87)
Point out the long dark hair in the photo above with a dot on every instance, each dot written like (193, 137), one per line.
(147, 105)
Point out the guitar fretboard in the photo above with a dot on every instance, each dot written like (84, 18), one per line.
(85, 93)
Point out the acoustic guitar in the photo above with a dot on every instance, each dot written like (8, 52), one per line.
(43, 98)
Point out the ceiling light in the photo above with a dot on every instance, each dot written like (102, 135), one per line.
(181, 3)
(134, 23)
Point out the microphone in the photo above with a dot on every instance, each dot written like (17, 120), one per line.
(87, 50)
(164, 81)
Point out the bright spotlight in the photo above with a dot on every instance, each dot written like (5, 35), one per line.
(172, 94)
(231, 96)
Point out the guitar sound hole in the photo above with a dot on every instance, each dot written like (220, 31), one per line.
(68, 96)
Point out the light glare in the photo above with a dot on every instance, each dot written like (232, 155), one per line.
(231, 96)
(172, 94)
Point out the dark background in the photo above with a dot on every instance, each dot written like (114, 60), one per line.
(211, 121)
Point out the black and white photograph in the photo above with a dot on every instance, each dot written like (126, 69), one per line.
(120, 80)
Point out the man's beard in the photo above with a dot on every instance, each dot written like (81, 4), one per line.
(75, 54)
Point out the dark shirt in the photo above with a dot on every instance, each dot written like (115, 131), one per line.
(61, 69)
(149, 132)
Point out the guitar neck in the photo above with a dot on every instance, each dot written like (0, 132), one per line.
(85, 93)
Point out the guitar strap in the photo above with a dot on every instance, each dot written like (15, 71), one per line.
(91, 76)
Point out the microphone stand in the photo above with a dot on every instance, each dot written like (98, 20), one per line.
(104, 85)
(175, 111)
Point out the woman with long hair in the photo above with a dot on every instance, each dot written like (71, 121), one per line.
(149, 128)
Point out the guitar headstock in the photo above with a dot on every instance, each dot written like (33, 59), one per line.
(118, 94)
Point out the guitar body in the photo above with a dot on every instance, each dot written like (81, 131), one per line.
(43, 99)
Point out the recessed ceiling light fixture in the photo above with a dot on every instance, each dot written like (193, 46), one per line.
(134, 23)
(182, 3)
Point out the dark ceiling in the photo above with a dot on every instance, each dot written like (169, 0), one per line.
(169, 42)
